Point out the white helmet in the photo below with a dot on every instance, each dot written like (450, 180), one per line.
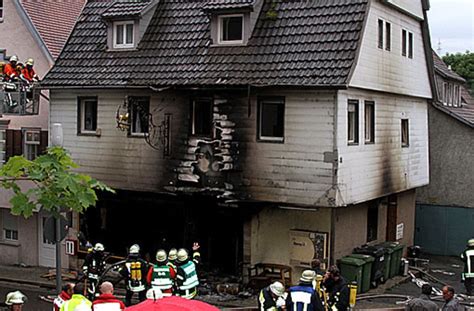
(182, 255)
(14, 298)
(13, 58)
(161, 255)
(173, 254)
(99, 247)
(277, 288)
(470, 242)
(154, 293)
(30, 61)
(134, 249)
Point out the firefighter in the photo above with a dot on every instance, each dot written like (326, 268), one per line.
(304, 297)
(28, 74)
(161, 275)
(77, 300)
(187, 279)
(271, 298)
(10, 73)
(135, 272)
(172, 256)
(337, 290)
(65, 295)
(468, 274)
(15, 301)
(93, 268)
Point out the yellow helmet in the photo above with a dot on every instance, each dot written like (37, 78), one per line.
(161, 255)
(182, 255)
(30, 61)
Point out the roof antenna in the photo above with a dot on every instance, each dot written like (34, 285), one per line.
(439, 49)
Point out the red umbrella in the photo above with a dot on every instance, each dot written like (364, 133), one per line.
(172, 304)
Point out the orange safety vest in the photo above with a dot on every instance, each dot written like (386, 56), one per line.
(9, 70)
(28, 74)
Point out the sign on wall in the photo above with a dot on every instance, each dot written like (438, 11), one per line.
(71, 247)
(400, 228)
(308, 245)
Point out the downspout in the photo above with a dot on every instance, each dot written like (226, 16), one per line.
(335, 166)
(34, 32)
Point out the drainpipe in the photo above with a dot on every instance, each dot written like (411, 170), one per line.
(335, 166)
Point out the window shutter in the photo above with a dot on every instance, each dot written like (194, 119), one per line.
(43, 142)
(14, 143)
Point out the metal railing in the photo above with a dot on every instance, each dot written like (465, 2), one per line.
(19, 98)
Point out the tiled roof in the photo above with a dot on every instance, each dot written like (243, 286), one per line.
(308, 43)
(129, 8)
(442, 69)
(227, 4)
(465, 114)
(54, 20)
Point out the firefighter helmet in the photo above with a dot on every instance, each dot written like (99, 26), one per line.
(14, 298)
(154, 293)
(182, 255)
(470, 242)
(30, 61)
(99, 247)
(161, 255)
(13, 58)
(277, 288)
(173, 254)
(134, 249)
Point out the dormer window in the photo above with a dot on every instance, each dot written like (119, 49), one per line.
(231, 29)
(123, 34)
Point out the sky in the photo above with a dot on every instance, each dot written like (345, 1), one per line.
(452, 23)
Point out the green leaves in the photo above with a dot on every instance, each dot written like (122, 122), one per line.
(51, 186)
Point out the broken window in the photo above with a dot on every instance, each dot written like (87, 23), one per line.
(87, 115)
(10, 226)
(405, 133)
(231, 29)
(201, 117)
(372, 222)
(369, 122)
(139, 111)
(271, 118)
(123, 34)
(31, 143)
(353, 122)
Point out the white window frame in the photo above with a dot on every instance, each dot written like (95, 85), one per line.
(405, 144)
(10, 231)
(132, 119)
(220, 29)
(384, 37)
(369, 122)
(82, 120)
(123, 45)
(353, 123)
(280, 101)
(34, 144)
(3, 146)
(408, 44)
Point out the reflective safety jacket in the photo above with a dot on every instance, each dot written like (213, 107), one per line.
(60, 300)
(135, 271)
(468, 257)
(303, 298)
(266, 301)
(107, 302)
(10, 72)
(28, 74)
(162, 277)
(76, 301)
(187, 280)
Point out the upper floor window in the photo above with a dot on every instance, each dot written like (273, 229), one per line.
(87, 115)
(31, 143)
(271, 119)
(405, 133)
(10, 225)
(201, 117)
(1, 10)
(369, 122)
(407, 43)
(139, 114)
(353, 122)
(384, 35)
(230, 29)
(123, 34)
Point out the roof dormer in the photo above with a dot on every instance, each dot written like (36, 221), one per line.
(232, 21)
(126, 22)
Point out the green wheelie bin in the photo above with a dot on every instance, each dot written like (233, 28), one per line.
(388, 259)
(351, 269)
(396, 252)
(366, 270)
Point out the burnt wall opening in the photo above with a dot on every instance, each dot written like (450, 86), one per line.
(160, 221)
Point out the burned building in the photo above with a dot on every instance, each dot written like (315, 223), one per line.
(270, 131)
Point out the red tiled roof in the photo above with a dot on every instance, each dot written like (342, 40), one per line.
(54, 20)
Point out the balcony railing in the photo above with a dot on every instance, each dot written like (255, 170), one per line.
(19, 99)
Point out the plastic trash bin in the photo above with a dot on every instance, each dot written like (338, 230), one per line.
(366, 270)
(388, 259)
(351, 269)
(395, 258)
(378, 267)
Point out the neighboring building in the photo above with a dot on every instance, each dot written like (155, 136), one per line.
(445, 208)
(270, 131)
(29, 29)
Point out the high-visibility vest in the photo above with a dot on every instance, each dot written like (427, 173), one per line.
(262, 300)
(468, 257)
(57, 303)
(191, 279)
(300, 297)
(135, 281)
(74, 302)
(161, 277)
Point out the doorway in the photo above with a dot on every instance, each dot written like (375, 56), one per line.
(47, 248)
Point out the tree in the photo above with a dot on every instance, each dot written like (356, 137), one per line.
(463, 65)
(56, 188)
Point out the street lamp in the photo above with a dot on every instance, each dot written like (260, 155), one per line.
(57, 140)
